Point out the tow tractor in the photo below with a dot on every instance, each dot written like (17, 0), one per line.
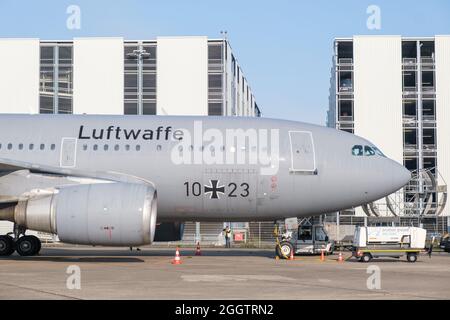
(307, 239)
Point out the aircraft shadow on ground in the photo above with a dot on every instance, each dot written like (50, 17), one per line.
(98, 255)
(75, 259)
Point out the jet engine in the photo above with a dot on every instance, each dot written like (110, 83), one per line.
(112, 214)
(169, 231)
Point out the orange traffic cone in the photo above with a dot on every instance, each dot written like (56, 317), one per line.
(322, 255)
(177, 259)
(198, 252)
(340, 257)
(291, 257)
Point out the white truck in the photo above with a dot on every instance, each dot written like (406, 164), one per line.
(394, 242)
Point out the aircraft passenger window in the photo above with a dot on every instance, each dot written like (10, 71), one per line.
(52, 147)
(116, 147)
(0, 145)
(138, 147)
(127, 147)
(368, 151)
(31, 146)
(357, 150)
(20, 146)
(95, 147)
(9, 146)
(42, 146)
(85, 147)
(158, 147)
(106, 147)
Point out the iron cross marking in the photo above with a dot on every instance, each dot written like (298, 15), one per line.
(214, 189)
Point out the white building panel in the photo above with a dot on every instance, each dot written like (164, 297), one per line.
(182, 76)
(98, 75)
(19, 81)
(442, 56)
(378, 93)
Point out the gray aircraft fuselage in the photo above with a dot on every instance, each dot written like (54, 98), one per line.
(314, 170)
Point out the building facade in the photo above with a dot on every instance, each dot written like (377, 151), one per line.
(166, 76)
(395, 91)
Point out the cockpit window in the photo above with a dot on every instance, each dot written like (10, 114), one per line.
(378, 152)
(368, 151)
(357, 150)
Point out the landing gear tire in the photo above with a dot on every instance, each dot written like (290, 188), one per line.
(411, 257)
(38, 244)
(28, 245)
(284, 250)
(7, 246)
(367, 257)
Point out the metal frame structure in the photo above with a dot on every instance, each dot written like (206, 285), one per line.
(56, 71)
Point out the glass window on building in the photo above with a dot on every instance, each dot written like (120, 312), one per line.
(215, 78)
(215, 57)
(131, 107)
(429, 137)
(410, 108)
(55, 78)
(215, 109)
(429, 109)
(410, 137)
(345, 110)
(149, 108)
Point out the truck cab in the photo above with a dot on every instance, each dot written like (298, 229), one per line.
(307, 239)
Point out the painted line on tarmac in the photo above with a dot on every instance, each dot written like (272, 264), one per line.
(40, 291)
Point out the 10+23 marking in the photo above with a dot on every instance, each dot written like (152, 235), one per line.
(233, 190)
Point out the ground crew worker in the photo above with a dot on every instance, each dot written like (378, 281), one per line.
(227, 234)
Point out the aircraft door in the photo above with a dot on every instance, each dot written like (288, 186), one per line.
(68, 152)
(302, 152)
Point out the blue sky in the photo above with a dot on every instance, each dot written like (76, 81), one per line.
(284, 47)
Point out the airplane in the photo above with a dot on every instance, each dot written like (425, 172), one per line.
(131, 180)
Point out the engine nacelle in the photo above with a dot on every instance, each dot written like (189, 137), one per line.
(112, 214)
(169, 231)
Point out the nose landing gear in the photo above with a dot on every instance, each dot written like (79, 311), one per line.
(23, 244)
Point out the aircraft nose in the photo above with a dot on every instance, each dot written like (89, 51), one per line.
(401, 175)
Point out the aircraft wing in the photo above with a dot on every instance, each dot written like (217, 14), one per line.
(18, 178)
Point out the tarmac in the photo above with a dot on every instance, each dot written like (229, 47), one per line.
(79, 272)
